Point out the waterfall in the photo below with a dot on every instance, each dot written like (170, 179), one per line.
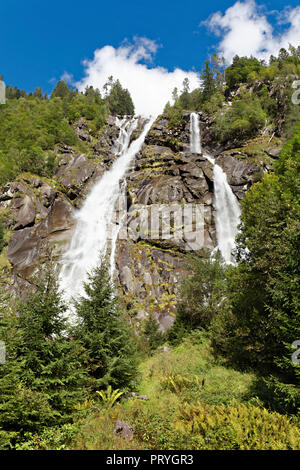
(195, 144)
(227, 209)
(96, 229)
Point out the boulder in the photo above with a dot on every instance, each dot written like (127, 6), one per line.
(240, 174)
(82, 130)
(74, 175)
(124, 430)
(24, 210)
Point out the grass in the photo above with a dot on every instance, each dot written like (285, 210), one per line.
(195, 402)
(154, 421)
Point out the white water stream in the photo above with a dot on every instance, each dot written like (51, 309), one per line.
(95, 229)
(227, 209)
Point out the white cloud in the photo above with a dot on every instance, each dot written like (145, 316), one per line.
(150, 87)
(67, 77)
(246, 31)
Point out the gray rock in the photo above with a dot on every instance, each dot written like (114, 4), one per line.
(124, 430)
(273, 152)
(137, 396)
(24, 210)
(75, 174)
(81, 129)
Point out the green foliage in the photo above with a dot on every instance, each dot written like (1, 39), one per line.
(109, 396)
(201, 296)
(243, 97)
(242, 69)
(62, 90)
(176, 382)
(208, 82)
(42, 377)
(118, 99)
(185, 412)
(184, 99)
(237, 427)
(152, 334)
(50, 438)
(52, 362)
(263, 289)
(174, 114)
(1, 235)
(241, 120)
(29, 128)
(214, 103)
(105, 336)
(32, 125)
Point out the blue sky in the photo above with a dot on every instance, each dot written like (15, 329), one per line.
(41, 41)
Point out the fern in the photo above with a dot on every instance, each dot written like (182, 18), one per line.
(109, 396)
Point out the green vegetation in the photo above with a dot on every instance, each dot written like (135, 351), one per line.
(263, 288)
(242, 120)
(111, 358)
(225, 378)
(51, 371)
(201, 296)
(118, 99)
(251, 310)
(154, 338)
(243, 99)
(202, 411)
(32, 125)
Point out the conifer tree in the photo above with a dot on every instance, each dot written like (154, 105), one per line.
(106, 337)
(154, 337)
(51, 359)
(118, 99)
(21, 409)
(208, 84)
(42, 378)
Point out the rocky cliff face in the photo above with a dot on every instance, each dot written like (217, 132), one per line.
(167, 175)
(164, 179)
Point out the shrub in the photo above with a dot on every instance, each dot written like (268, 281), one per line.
(241, 120)
(237, 427)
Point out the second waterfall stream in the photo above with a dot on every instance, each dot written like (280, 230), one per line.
(95, 227)
(227, 209)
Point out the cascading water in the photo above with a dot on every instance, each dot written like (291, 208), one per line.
(195, 138)
(227, 209)
(95, 225)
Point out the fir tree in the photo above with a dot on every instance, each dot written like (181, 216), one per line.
(208, 82)
(118, 99)
(154, 337)
(42, 378)
(52, 360)
(21, 409)
(106, 338)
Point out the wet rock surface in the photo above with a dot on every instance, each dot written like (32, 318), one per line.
(165, 180)
(240, 174)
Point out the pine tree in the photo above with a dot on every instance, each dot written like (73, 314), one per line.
(52, 360)
(62, 90)
(154, 337)
(21, 409)
(208, 82)
(106, 337)
(118, 99)
(185, 96)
